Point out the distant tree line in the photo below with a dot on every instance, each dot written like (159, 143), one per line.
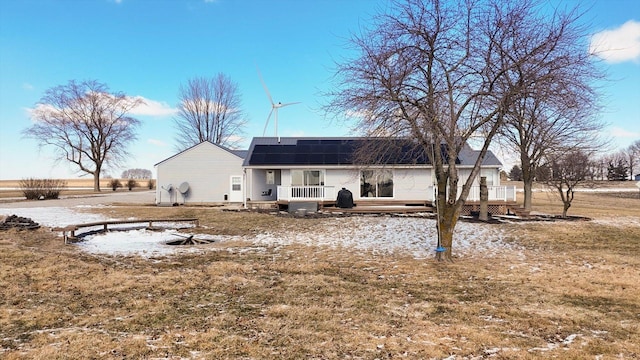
(138, 174)
(617, 166)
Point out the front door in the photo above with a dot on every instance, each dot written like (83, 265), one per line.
(235, 193)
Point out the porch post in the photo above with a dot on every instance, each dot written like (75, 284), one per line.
(484, 199)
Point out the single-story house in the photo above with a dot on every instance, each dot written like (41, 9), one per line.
(205, 173)
(291, 169)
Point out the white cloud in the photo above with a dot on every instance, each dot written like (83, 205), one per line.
(152, 108)
(157, 142)
(27, 86)
(617, 45)
(618, 132)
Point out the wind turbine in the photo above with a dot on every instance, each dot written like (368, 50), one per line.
(274, 106)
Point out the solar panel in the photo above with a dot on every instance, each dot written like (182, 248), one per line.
(338, 152)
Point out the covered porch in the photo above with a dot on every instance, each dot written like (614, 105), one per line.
(329, 193)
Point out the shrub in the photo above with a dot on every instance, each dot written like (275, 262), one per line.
(34, 189)
(151, 184)
(114, 184)
(131, 184)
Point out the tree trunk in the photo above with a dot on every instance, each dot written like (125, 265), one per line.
(528, 185)
(527, 179)
(447, 221)
(96, 181)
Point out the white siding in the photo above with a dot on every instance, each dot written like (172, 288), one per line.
(206, 167)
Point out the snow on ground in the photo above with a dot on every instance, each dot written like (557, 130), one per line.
(386, 234)
(55, 216)
(620, 221)
(379, 234)
(138, 242)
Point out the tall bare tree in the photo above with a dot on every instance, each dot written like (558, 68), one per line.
(440, 72)
(209, 110)
(559, 110)
(86, 124)
(633, 155)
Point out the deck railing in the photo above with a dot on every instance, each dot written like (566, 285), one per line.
(315, 193)
(496, 193)
(326, 193)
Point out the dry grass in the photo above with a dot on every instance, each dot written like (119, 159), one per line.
(573, 292)
(74, 187)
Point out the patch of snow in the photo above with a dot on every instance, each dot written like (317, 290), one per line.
(620, 221)
(378, 234)
(554, 345)
(140, 242)
(417, 236)
(54, 216)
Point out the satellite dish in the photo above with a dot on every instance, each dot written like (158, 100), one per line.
(183, 188)
(168, 188)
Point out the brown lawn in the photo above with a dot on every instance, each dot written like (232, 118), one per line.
(573, 292)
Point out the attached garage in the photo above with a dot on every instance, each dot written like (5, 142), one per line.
(202, 174)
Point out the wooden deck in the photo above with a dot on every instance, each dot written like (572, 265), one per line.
(69, 231)
(366, 206)
(381, 209)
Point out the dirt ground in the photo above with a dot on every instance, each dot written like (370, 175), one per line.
(564, 290)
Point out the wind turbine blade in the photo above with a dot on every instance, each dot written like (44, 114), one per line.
(267, 123)
(264, 85)
(287, 104)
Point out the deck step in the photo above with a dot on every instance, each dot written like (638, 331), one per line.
(366, 209)
(519, 211)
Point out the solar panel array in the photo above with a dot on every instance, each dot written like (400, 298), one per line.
(338, 152)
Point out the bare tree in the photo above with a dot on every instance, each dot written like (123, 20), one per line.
(557, 111)
(440, 72)
(140, 174)
(209, 110)
(633, 155)
(564, 171)
(86, 124)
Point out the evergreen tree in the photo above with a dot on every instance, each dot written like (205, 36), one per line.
(516, 173)
(617, 171)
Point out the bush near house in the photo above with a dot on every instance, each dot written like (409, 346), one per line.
(131, 184)
(114, 184)
(34, 189)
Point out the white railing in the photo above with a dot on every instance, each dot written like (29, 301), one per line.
(316, 193)
(496, 193)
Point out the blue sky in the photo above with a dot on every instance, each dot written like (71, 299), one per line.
(149, 48)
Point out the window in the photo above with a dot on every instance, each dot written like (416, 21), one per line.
(236, 183)
(307, 178)
(376, 183)
(488, 173)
